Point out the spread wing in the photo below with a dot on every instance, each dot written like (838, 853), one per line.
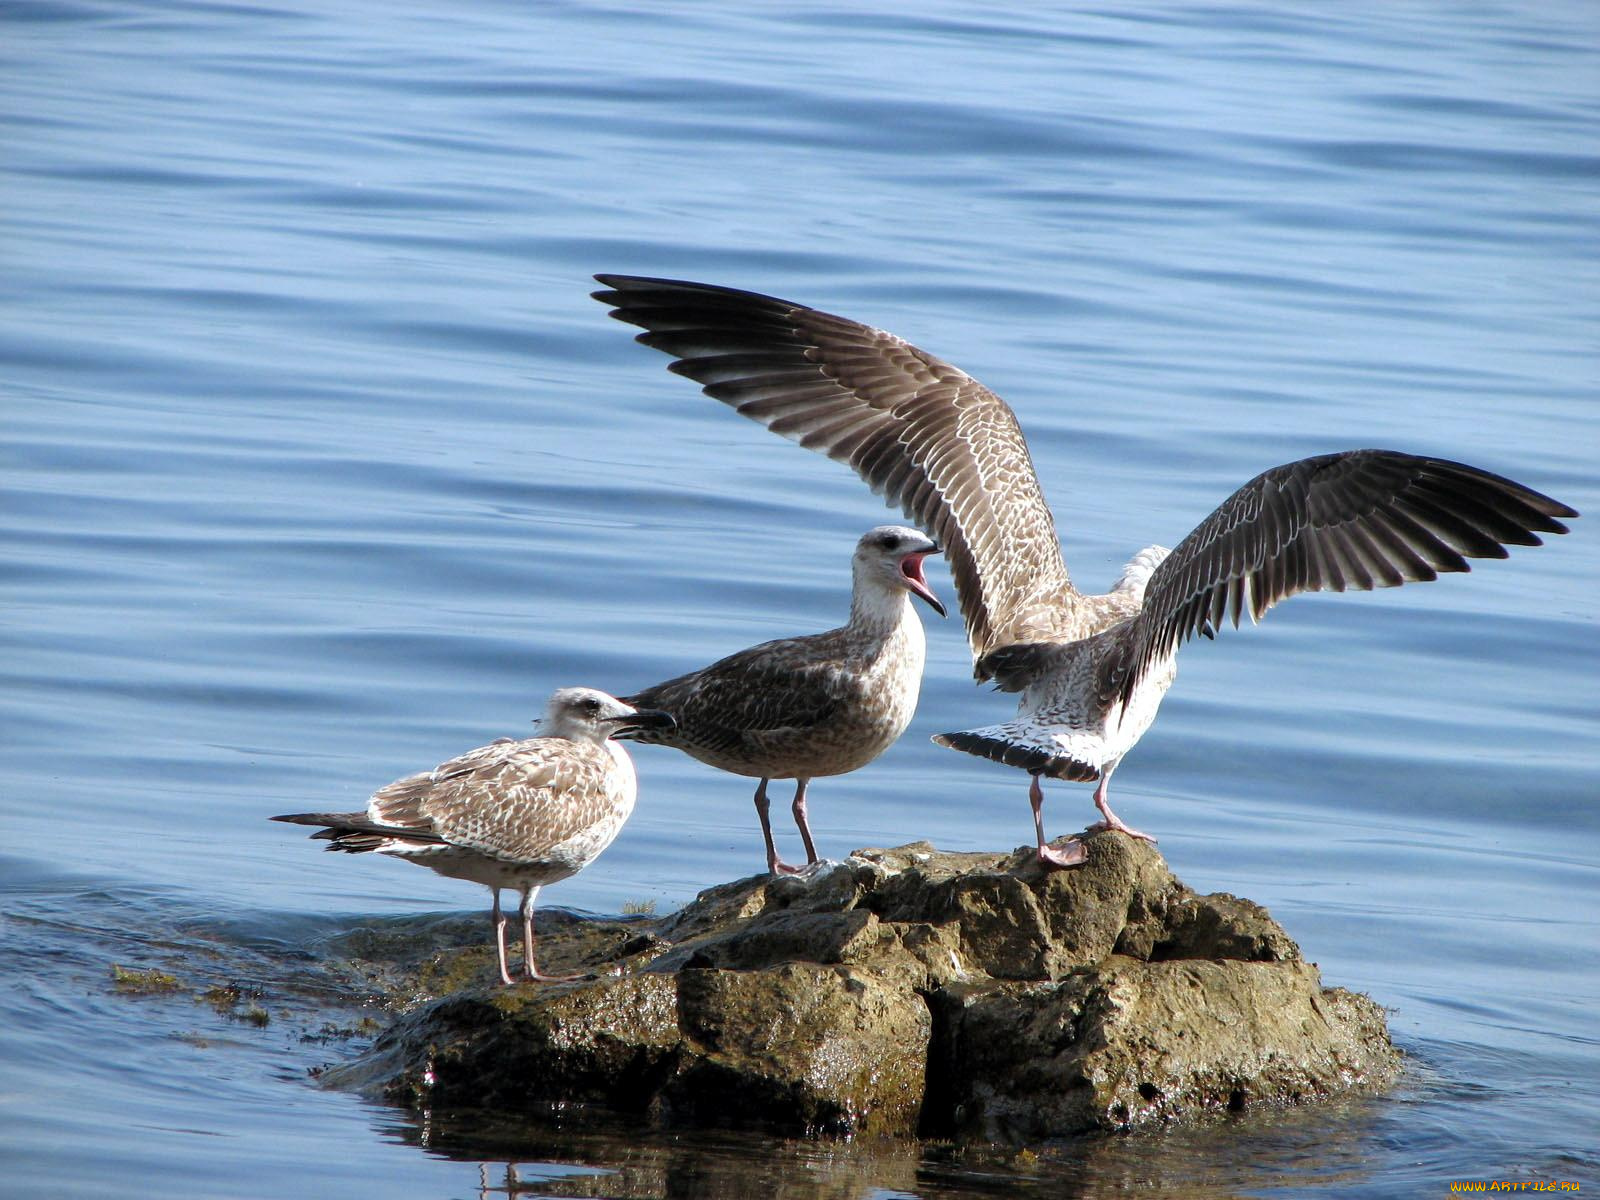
(924, 434)
(1361, 519)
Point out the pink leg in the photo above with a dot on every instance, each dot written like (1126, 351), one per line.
(500, 937)
(801, 820)
(774, 864)
(528, 967)
(1049, 857)
(1112, 821)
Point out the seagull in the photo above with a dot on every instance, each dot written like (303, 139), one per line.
(512, 814)
(1090, 670)
(824, 704)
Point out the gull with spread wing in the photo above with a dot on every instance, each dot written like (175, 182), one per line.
(1090, 670)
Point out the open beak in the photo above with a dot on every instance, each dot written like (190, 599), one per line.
(641, 720)
(911, 571)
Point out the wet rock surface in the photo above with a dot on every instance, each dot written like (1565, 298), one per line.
(906, 992)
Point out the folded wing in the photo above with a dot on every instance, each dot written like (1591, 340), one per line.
(513, 800)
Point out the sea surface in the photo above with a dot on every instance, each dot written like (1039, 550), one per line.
(320, 466)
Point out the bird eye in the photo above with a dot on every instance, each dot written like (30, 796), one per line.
(889, 541)
(591, 705)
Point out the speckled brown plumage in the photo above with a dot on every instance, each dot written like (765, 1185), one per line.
(1091, 669)
(806, 706)
(515, 813)
(822, 704)
(925, 435)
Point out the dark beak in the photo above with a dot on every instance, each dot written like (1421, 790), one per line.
(642, 721)
(934, 603)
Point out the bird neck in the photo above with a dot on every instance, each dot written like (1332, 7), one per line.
(561, 726)
(622, 760)
(878, 607)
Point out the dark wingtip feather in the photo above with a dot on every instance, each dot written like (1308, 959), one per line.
(1515, 502)
(620, 288)
(1356, 519)
(618, 283)
(322, 818)
(355, 832)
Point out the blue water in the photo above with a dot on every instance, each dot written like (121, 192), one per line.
(320, 466)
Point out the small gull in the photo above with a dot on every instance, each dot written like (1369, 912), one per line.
(513, 814)
(802, 707)
(1091, 670)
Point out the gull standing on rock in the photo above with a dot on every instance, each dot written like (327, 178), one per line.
(801, 707)
(513, 814)
(1091, 669)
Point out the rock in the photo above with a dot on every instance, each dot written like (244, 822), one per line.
(904, 992)
(1130, 1043)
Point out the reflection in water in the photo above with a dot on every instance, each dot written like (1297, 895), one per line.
(579, 1154)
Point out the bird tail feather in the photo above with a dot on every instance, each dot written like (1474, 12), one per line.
(1012, 745)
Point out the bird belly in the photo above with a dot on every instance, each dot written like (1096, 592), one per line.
(1062, 728)
(456, 862)
(1123, 728)
(870, 714)
(848, 741)
(843, 747)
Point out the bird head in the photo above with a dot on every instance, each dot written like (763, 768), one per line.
(588, 714)
(891, 556)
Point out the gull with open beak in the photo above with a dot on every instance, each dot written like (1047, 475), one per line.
(824, 704)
